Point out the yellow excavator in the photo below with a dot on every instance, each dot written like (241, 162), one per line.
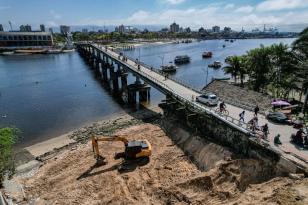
(134, 149)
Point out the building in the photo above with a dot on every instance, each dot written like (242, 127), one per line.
(42, 28)
(121, 29)
(201, 30)
(174, 27)
(1, 27)
(227, 30)
(50, 30)
(25, 39)
(64, 29)
(216, 29)
(84, 30)
(187, 30)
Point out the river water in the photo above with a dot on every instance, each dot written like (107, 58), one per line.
(49, 95)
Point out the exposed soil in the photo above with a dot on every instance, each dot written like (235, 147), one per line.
(244, 96)
(170, 177)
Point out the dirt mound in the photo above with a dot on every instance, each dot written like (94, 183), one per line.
(169, 178)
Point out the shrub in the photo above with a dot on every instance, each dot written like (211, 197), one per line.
(8, 136)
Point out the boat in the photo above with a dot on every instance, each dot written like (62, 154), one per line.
(31, 51)
(68, 50)
(222, 78)
(226, 39)
(7, 53)
(169, 68)
(182, 59)
(207, 55)
(216, 64)
(231, 40)
(54, 51)
(223, 46)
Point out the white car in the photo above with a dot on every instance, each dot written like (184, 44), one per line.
(209, 99)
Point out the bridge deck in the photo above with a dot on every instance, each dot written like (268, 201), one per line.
(287, 149)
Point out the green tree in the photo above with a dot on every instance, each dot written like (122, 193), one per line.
(284, 69)
(8, 136)
(300, 48)
(259, 63)
(233, 67)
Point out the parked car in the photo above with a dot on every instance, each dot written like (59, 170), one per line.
(277, 117)
(208, 99)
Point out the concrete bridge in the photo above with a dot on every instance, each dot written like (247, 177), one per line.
(180, 98)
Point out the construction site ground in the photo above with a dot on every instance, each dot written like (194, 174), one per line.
(170, 177)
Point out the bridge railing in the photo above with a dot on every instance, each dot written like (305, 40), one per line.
(173, 78)
(196, 106)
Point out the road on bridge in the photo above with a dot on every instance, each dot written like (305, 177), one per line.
(287, 149)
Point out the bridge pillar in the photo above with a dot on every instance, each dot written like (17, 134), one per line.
(105, 71)
(114, 79)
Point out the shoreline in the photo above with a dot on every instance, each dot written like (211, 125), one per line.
(81, 134)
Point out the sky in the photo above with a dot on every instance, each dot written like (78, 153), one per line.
(194, 13)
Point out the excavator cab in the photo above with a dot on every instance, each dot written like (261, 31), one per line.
(134, 149)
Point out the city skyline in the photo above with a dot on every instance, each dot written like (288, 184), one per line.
(192, 13)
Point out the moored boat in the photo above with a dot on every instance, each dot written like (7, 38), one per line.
(182, 59)
(216, 64)
(207, 54)
(169, 68)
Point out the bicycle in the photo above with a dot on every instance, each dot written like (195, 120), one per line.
(223, 111)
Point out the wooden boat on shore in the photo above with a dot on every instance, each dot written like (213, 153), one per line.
(30, 51)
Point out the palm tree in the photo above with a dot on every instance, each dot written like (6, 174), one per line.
(300, 47)
(243, 68)
(284, 68)
(234, 66)
(259, 63)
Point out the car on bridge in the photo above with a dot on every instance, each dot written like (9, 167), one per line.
(208, 99)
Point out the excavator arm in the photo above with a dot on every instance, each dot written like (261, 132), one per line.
(95, 140)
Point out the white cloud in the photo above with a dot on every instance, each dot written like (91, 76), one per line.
(229, 6)
(51, 24)
(4, 7)
(276, 5)
(55, 15)
(244, 9)
(206, 16)
(174, 1)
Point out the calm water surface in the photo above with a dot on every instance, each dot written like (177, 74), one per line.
(48, 95)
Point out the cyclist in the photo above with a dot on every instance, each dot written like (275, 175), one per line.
(222, 106)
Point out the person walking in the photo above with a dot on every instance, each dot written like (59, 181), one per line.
(242, 115)
(257, 109)
(265, 131)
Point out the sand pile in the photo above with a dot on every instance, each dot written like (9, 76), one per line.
(169, 178)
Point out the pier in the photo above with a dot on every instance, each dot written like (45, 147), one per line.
(113, 67)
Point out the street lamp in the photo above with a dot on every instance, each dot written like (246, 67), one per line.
(207, 73)
(162, 60)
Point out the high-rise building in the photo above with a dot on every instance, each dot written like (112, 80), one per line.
(1, 27)
(28, 28)
(42, 27)
(22, 28)
(227, 29)
(50, 30)
(201, 30)
(216, 29)
(84, 30)
(122, 29)
(174, 27)
(64, 29)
